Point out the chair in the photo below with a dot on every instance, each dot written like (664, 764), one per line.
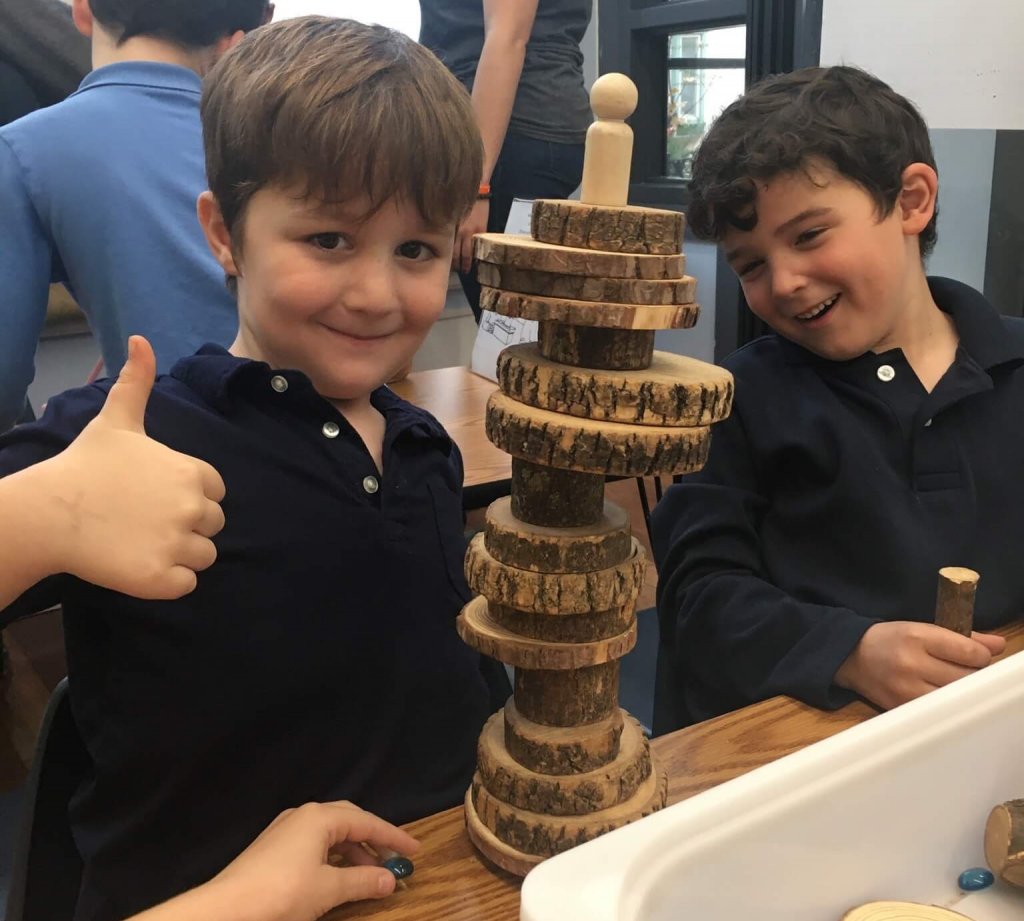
(47, 869)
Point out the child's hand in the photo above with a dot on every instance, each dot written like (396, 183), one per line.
(898, 661)
(124, 511)
(285, 875)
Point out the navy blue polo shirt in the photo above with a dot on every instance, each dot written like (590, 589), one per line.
(317, 659)
(831, 498)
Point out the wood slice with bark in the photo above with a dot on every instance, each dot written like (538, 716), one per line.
(673, 391)
(479, 630)
(595, 346)
(574, 794)
(565, 628)
(954, 603)
(592, 446)
(498, 852)
(554, 593)
(587, 288)
(622, 229)
(589, 313)
(1004, 842)
(562, 749)
(553, 498)
(567, 698)
(517, 543)
(522, 252)
(902, 911)
(548, 835)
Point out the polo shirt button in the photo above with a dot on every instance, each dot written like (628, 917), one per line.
(370, 484)
(330, 430)
(279, 383)
(886, 373)
(929, 422)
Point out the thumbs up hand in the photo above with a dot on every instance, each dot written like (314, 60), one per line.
(127, 512)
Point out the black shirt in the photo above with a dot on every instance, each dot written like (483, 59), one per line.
(316, 660)
(831, 498)
(551, 103)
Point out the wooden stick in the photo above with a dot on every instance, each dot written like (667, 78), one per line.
(954, 605)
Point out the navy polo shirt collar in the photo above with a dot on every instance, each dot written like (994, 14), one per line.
(143, 73)
(220, 377)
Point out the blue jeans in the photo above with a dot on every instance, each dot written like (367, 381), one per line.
(526, 168)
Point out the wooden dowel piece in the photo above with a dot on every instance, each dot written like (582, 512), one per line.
(589, 288)
(954, 605)
(555, 498)
(564, 628)
(567, 698)
(596, 346)
(538, 548)
(1004, 842)
(558, 749)
(623, 229)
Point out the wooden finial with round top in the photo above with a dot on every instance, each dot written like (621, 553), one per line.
(609, 148)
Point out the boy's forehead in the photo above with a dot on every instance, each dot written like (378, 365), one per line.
(356, 208)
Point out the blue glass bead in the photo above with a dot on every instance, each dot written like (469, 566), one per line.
(401, 867)
(976, 878)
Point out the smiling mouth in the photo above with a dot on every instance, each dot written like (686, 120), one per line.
(357, 336)
(819, 311)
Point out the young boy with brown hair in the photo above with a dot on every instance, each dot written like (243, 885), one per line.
(318, 658)
(874, 437)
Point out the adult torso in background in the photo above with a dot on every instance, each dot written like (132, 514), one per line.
(551, 102)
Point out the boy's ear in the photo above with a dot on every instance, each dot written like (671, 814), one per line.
(916, 202)
(226, 42)
(81, 15)
(218, 237)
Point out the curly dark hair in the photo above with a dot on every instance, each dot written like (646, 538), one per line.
(843, 116)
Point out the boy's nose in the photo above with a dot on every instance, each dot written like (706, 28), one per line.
(787, 280)
(368, 287)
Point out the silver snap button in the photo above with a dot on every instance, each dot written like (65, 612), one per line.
(279, 383)
(370, 484)
(330, 430)
(886, 373)
(929, 422)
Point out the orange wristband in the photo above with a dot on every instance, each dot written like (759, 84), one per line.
(485, 190)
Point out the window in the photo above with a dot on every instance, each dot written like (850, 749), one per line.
(705, 74)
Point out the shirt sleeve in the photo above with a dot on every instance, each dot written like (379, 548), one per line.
(25, 265)
(729, 636)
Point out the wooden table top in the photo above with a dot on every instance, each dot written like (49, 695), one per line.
(453, 882)
(458, 399)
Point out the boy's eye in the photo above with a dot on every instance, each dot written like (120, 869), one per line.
(749, 268)
(809, 235)
(415, 249)
(326, 241)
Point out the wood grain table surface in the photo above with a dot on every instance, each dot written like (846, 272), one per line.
(457, 398)
(453, 882)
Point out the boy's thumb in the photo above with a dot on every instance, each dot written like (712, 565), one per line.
(126, 402)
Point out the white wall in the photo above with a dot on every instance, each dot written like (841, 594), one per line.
(960, 61)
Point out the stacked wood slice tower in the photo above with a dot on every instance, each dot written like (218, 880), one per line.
(557, 570)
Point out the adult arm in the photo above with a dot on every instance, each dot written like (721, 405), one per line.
(285, 874)
(507, 27)
(115, 507)
(25, 265)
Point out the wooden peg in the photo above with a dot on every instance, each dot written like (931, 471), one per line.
(1004, 842)
(609, 149)
(954, 605)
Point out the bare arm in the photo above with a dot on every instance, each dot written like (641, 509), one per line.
(507, 27)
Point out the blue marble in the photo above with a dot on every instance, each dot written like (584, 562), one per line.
(401, 867)
(976, 878)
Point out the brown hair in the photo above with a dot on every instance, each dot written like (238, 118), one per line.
(339, 109)
(843, 116)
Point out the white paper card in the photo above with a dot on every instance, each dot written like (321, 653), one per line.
(497, 332)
